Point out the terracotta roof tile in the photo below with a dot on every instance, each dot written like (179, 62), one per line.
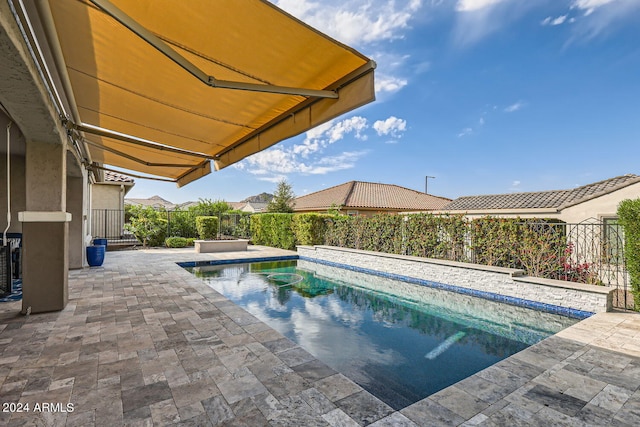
(358, 194)
(556, 199)
(117, 177)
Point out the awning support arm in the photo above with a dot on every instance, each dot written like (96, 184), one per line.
(165, 49)
(96, 166)
(120, 137)
(137, 160)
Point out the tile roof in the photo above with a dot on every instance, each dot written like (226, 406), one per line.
(556, 199)
(117, 177)
(358, 194)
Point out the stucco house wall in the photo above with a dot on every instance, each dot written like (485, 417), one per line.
(107, 209)
(605, 206)
(107, 196)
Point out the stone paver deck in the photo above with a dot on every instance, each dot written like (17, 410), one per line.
(143, 342)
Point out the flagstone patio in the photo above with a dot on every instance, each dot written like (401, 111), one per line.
(143, 342)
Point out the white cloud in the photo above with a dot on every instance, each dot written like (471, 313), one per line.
(600, 16)
(355, 124)
(389, 84)
(465, 132)
(514, 107)
(477, 19)
(355, 21)
(589, 6)
(308, 157)
(473, 5)
(515, 183)
(554, 21)
(481, 121)
(390, 68)
(392, 126)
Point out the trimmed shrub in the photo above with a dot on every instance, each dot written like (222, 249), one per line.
(207, 227)
(629, 218)
(309, 228)
(147, 224)
(440, 237)
(340, 231)
(190, 241)
(273, 229)
(176, 242)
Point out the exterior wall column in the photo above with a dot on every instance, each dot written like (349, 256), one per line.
(45, 229)
(75, 206)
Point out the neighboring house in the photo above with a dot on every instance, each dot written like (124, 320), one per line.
(107, 204)
(598, 200)
(583, 209)
(369, 198)
(185, 206)
(156, 202)
(254, 207)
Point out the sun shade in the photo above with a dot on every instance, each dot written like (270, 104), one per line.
(217, 80)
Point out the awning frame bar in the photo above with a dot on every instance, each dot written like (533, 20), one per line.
(137, 160)
(354, 75)
(117, 14)
(97, 166)
(123, 138)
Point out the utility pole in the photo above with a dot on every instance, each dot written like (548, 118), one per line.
(426, 183)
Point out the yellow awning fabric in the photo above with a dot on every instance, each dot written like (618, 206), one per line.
(123, 83)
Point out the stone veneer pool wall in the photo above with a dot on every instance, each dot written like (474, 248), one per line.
(495, 283)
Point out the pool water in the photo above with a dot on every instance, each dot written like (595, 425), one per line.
(401, 342)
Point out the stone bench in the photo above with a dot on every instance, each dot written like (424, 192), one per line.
(207, 246)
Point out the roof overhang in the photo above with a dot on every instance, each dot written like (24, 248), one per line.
(164, 87)
(497, 212)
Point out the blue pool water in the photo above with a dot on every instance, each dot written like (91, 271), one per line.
(399, 341)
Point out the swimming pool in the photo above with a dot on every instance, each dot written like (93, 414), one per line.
(399, 341)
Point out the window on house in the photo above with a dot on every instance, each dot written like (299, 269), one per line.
(613, 241)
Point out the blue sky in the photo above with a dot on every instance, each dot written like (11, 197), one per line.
(487, 96)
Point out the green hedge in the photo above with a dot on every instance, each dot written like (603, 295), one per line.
(309, 228)
(537, 246)
(273, 229)
(629, 218)
(284, 230)
(207, 227)
(422, 235)
(176, 242)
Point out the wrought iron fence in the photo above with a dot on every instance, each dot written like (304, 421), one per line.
(182, 223)
(110, 224)
(590, 252)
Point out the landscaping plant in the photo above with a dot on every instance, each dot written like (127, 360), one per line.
(147, 224)
(629, 218)
(207, 227)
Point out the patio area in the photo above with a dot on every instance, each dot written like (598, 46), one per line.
(143, 342)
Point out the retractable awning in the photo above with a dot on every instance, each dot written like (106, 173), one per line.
(164, 87)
